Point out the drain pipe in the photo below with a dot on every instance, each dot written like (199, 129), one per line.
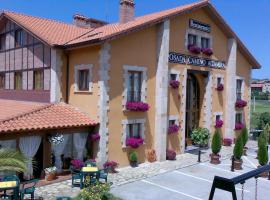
(67, 79)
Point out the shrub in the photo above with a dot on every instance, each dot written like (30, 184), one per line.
(200, 136)
(262, 151)
(216, 142)
(266, 132)
(133, 156)
(238, 148)
(244, 135)
(263, 120)
(170, 154)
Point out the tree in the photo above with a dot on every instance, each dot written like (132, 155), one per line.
(266, 132)
(216, 142)
(264, 119)
(11, 160)
(238, 148)
(244, 135)
(262, 151)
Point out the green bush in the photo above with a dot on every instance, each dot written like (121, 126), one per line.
(133, 157)
(216, 142)
(99, 191)
(238, 148)
(264, 119)
(244, 135)
(200, 136)
(262, 150)
(266, 132)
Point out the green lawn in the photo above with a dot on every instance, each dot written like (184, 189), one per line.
(260, 107)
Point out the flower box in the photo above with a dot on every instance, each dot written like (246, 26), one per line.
(227, 142)
(207, 51)
(194, 49)
(240, 103)
(94, 137)
(220, 87)
(170, 154)
(219, 124)
(239, 126)
(137, 106)
(173, 129)
(174, 84)
(134, 142)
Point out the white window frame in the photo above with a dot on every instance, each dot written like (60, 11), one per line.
(176, 72)
(243, 116)
(175, 118)
(242, 86)
(76, 76)
(216, 79)
(125, 130)
(128, 68)
(199, 35)
(216, 114)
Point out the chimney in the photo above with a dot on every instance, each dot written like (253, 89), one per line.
(85, 22)
(127, 11)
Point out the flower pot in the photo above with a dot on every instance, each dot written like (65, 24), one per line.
(264, 174)
(133, 163)
(214, 159)
(189, 142)
(238, 164)
(50, 176)
(245, 151)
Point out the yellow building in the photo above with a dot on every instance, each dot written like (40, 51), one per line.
(143, 77)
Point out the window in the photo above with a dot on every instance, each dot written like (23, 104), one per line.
(192, 39)
(218, 117)
(219, 81)
(173, 77)
(134, 130)
(239, 83)
(18, 81)
(205, 43)
(18, 38)
(38, 80)
(2, 42)
(134, 86)
(83, 80)
(172, 122)
(2, 81)
(239, 118)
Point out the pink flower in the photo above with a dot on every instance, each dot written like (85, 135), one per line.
(240, 103)
(220, 87)
(94, 137)
(219, 123)
(134, 142)
(110, 164)
(173, 129)
(227, 141)
(137, 106)
(76, 163)
(174, 84)
(194, 49)
(239, 126)
(207, 51)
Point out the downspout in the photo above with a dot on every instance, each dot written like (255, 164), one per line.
(67, 80)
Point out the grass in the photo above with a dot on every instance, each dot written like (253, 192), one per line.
(260, 107)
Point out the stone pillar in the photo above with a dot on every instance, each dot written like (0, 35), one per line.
(230, 89)
(208, 99)
(103, 104)
(183, 110)
(56, 63)
(161, 117)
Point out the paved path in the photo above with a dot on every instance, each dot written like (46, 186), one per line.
(128, 175)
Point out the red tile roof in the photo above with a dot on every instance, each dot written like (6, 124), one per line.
(256, 85)
(43, 117)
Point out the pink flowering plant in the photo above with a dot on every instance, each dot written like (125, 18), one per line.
(227, 141)
(239, 126)
(219, 123)
(137, 106)
(207, 51)
(134, 142)
(194, 49)
(94, 137)
(77, 164)
(174, 84)
(173, 129)
(240, 103)
(110, 165)
(220, 87)
(170, 154)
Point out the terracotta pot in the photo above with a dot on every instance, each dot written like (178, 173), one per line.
(189, 142)
(50, 176)
(238, 164)
(245, 151)
(264, 174)
(214, 159)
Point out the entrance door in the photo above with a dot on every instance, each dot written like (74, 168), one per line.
(192, 106)
(38, 162)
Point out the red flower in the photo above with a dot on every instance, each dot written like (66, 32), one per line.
(137, 106)
(227, 141)
(110, 164)
(173, 129)
(240, 103)
(220, 87)
(194, 49)
(170, 154)
(174, 84)
(134, 142)
(207, 51)
(219, 123)
(94, 137)
(239, 126)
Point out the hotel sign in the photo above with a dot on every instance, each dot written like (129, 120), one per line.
(199, 26)
(197, 61)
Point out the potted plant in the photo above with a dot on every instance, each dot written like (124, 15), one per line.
(216, 147)
(50, 173)
(151, 155)
(174, 84)
(207, 51)
(239, 126)
(219, 123)
(137, 106)
(110, 165)
(237, 153)
(244, 134)
(240, 103)
(134, 142)
(77, 165)
(173, 129)
(133, 159)
(227, 142)
(170, 154)
(200, 136)
(220, 87)
(262, 154)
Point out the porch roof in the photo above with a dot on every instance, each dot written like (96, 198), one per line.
(41, 117)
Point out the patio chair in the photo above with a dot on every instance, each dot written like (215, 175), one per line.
(16, 191)
(103, 174)
(77, 179)
(90, 164)
(29, 187)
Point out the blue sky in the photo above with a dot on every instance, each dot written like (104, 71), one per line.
(248, 18)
